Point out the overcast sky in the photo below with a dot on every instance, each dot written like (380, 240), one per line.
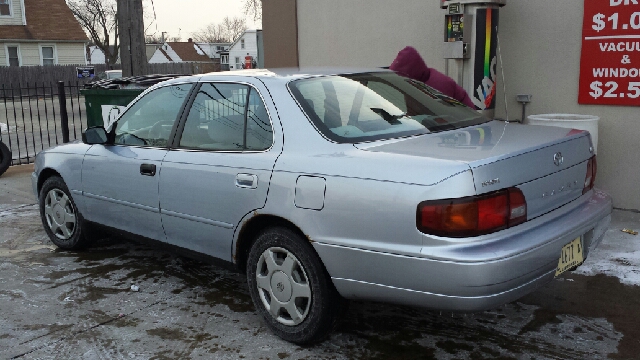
(187, 16)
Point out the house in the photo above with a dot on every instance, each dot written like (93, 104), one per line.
(218, 52)
(40, 32)
(180, 52)
(214, 50)
(96, 55)
(244, 49)
(151, 48)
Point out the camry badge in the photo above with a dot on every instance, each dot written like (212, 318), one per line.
(558, 159)
(491, 182)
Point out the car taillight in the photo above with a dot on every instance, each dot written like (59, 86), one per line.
(590, 178)
(473, 215)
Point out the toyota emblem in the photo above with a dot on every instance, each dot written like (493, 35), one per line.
(558, 159)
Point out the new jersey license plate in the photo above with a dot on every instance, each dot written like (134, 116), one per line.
(570, 256)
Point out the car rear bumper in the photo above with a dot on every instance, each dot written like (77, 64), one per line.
(482, 274)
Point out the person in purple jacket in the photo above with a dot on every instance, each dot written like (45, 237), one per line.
(409, 63)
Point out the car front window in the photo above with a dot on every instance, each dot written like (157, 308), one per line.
(372, 106)
(149, 121)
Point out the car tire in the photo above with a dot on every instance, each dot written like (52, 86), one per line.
(290, 287)
(60, 217)
(5, 158)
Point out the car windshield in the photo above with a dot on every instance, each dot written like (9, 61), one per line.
(380, 105)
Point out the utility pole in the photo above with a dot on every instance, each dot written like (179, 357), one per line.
(132, 46)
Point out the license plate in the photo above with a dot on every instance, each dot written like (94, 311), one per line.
(570, 256)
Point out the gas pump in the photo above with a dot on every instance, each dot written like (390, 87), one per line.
(471, 37)
(248, 60)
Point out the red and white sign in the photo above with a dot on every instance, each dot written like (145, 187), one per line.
(610, 62)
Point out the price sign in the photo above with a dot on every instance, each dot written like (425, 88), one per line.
(610, 59)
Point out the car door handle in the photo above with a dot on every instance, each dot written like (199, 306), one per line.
(148, 169)
(247, 181)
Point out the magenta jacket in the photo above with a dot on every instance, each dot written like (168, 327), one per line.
(409, 63)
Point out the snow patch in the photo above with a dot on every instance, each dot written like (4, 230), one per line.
(618, 255)
(198, 50)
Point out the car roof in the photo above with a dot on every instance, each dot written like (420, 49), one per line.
(284, 75)
(288, 74)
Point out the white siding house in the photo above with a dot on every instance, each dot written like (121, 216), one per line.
(28, 37)
(245, 45)
(213, 50)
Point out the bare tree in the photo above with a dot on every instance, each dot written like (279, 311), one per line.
(212, 33)
(253, 8)
(227, 31)
(235, 27)
(99, 21)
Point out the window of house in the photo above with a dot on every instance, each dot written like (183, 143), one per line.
(5, 8)
(13, 54)
(241, 43)
(224, 59)
(238, 63)
(48, 55)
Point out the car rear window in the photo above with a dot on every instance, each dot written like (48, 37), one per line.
(362, 107)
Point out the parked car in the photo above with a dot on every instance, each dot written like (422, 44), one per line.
(325, 186)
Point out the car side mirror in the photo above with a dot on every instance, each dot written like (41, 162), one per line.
(95, 135)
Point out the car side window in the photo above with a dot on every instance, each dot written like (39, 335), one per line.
(149, 121)
(220, 117)
(259, 130)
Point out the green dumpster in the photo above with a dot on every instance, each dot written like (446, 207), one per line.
(105, 105)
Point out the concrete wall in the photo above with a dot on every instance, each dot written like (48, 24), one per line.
(541, 44)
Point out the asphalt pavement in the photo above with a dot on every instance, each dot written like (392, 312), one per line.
(80, 305)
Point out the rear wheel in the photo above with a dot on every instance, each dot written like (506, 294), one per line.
(5, 158)
(60, 217)
(290, 287)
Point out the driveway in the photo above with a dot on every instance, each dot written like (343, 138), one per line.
(68, 305)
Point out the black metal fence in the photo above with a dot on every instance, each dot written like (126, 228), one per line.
(38, 116)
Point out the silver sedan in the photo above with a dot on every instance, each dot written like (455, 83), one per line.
(327, 186)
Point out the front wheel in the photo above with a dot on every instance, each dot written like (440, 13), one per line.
(61, 219)
(290, 287)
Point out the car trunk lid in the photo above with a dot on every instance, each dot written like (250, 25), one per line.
(547, 163)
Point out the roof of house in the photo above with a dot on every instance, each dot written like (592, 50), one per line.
(164, 53)
(188, 53)
(46, 20)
